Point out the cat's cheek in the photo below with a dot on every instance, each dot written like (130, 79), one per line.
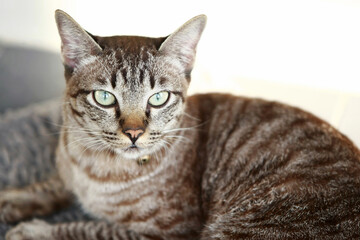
(166, 120)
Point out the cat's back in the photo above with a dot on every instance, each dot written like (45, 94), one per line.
(269, 164)
(227, 118)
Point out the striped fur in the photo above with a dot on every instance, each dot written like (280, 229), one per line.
(35, 200)
(219, 166)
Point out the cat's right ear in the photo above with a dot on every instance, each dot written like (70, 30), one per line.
(181, 45)
(77, 46)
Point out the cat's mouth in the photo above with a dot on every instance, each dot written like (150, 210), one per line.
(132, 148)
(134, 151)
(130, 152)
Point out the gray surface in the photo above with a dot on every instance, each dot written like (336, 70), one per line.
(28, 75)
(28, 136)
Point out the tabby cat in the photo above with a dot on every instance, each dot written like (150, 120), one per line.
(148, 162)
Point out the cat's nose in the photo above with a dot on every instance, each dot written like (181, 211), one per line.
(133, 134)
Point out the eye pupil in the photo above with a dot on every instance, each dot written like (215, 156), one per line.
(158, 96)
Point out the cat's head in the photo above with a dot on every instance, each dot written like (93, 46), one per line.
(126, 93)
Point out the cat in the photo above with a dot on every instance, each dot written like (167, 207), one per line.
(149, 162)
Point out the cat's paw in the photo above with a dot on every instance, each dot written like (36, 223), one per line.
(15, 205)
(33, 230)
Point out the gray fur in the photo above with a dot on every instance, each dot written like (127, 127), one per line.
(27, 143)
(28, 139)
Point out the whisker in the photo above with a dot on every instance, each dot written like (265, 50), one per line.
(192, 117)
(85, 140)
(91, 145)
(180, 138)
(185, 128)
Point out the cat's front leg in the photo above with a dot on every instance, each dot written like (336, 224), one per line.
(35, 229)
(40, 230)
(38, 199)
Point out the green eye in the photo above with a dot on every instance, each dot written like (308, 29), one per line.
(104, 98)
(159, 99)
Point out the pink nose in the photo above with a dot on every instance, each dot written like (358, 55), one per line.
(133, 134)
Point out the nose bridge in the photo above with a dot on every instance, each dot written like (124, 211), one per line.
(133, 120)
(132, 124)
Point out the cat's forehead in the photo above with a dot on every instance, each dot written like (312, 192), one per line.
(128, 65)
(128, 56)
(125, 46)
(132, 62)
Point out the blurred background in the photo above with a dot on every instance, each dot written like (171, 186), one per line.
(301, 52)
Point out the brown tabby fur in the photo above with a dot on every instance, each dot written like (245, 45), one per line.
(220, 166)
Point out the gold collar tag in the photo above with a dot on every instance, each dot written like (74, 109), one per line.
(143, 160)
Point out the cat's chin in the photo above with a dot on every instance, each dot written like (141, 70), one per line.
(131, 153)
(134, 152)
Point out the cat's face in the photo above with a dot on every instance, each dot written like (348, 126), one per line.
(142, 97)
(127, 94)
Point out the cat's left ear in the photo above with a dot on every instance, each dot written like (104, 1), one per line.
(77, 46)
(182, 43)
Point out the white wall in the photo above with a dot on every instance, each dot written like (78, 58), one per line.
(304, 52)
(307, 42)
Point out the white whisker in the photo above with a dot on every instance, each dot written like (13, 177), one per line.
(91, 145)
(180, 138)
(191, 117)
(185, 128)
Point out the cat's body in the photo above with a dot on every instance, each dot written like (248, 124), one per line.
(156, 164)
(247, 159)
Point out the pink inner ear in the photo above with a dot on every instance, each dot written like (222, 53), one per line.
(182, 43)
(69, 46)
(68, 61)
(77, 44)
(183, 49)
